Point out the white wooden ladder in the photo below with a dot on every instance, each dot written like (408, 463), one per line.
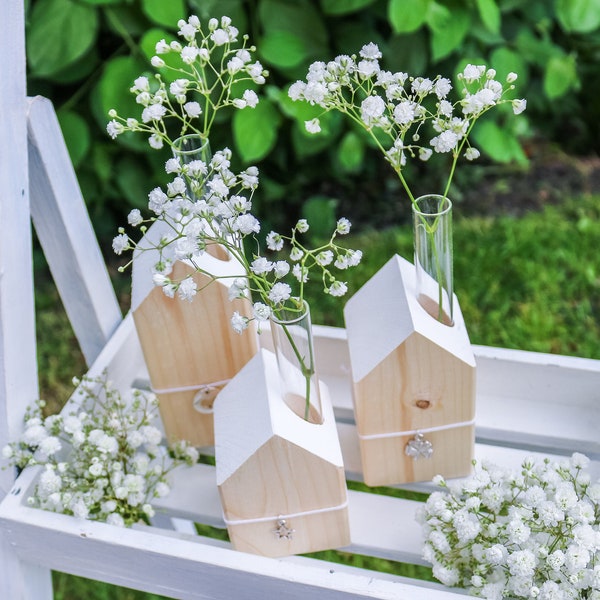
(526, 403)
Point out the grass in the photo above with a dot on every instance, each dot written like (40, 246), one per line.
(531, 283)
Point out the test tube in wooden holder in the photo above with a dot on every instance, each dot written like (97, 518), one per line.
(190, 348)
(413, 382)
(280, 478)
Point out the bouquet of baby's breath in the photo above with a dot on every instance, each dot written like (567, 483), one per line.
(103, 461)
(209, 70)
(221, 216)
(534, 533)
(406, 116)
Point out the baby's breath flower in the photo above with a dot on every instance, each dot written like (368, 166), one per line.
(120, 243)
(312, 126)
(261, 311)
(134, 218)
(239, 322)
(108, 436)
(538, 539)
(280, 292)
(274, 241)
(343, 226)
(400, 106)
(338, 288)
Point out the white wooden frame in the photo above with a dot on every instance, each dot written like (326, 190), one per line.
(526, 403)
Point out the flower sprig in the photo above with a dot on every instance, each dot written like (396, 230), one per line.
(208, 205)
(103, 461)
(394, 108)
(534, 533)
(208, 64)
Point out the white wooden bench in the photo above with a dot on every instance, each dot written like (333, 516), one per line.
(526, 403)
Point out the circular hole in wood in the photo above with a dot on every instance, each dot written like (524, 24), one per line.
(217, 251)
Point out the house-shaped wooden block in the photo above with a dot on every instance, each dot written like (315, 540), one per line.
(281, 479)
(413, 380)
(190, 348)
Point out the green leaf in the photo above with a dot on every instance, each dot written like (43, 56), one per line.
(438, 16)
(255, 130)
(351, 152)
(113, 92)
(498, 142)
(506, 61)
(335, 7)
(408, 53)
(126, 18)
(60, 32)
(78, 70)
(164, 13)
(560, 76)
(580, 16)
(299, 19)
(490, 14)
(406, 16)
(351, 34)
(307, 144)
(446, 39)
(283, 49)
(319, 211)
(76, 132)
(132, 180)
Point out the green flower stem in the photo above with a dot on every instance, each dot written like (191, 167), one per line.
(307, 370)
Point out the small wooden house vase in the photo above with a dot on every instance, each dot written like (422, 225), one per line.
(413, 382)
(281, 479)
(190, 348)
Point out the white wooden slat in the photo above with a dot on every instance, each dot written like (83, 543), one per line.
(18, 370)
(182, 567)
(65, 232)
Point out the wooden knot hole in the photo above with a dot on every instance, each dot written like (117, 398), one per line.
(422, 403)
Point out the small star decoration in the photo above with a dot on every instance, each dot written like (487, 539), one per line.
(419, 447)
(282, 531)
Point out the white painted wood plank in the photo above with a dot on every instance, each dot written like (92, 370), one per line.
(63, 227)
(18, 369)
(182, 567)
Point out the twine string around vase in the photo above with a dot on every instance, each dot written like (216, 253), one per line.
(421, 430)
(418, 446)
(305, 513)
(200, 388)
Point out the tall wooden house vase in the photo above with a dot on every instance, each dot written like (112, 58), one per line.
(190, 348)
(281, 479)
(413, 382)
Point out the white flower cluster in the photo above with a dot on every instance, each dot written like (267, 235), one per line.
(219, 214)
(104, 462)
(207, 64)
(400, 105)
(529, 534)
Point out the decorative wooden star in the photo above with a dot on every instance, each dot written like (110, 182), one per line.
(282, 531)
(419, 447)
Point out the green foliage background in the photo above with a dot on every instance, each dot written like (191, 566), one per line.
(84, 55)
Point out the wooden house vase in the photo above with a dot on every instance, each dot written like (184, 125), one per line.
(190, 348)
(280, 478)
(413, 382)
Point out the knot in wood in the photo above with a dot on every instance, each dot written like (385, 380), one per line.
(422, 403)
